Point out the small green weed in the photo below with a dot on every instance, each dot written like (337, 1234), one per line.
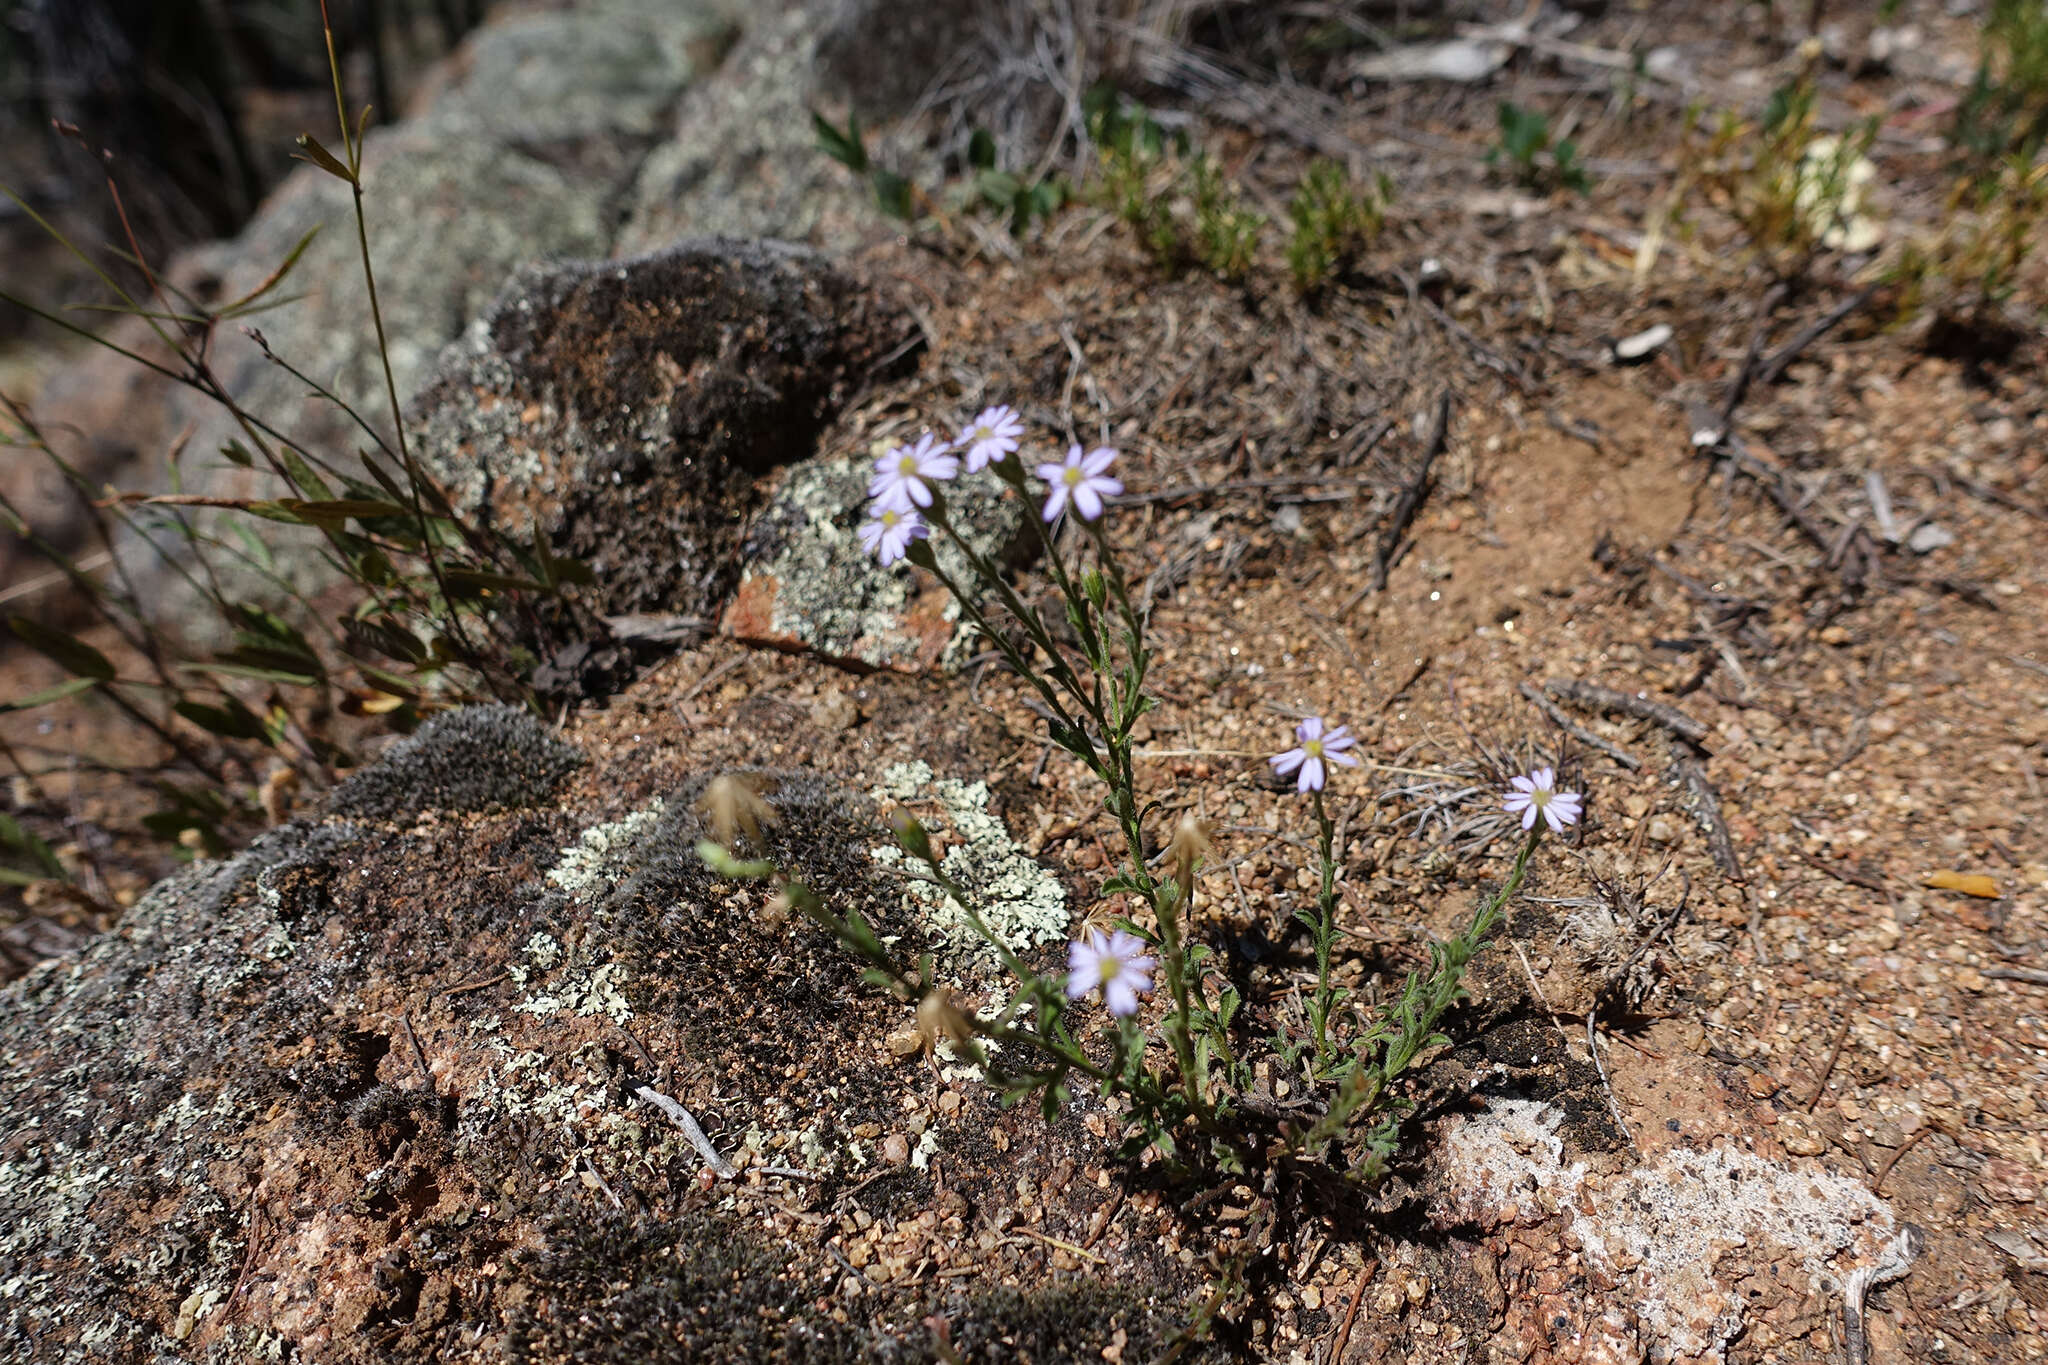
(1180, 206)
(2004, 114)
(894, 194)
(1334, 222)
(1022, 201)
(1525, 146)
(1793, 190)
(1971, 266)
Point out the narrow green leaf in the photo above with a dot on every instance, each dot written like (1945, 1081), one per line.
(70, 687)
(302, 475)
(396, 684)
(73, 655)
(231, 670)
(233, 721)
(981, 150)
(338, 510)
(312, 152)
(14, 836)
(892, 193)
(845, 148)
(276, 276)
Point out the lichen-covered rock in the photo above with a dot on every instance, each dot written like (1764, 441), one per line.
(479, 758)
(369, 1091)
(808, 584)
(630, 406)
(743, 158)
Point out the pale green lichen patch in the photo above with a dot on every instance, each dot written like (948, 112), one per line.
(1018, 900)
(599, 858)
(578, 989)
(829, 593)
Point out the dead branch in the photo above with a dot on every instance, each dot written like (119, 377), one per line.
(1598, 698)
(1407, 506)
(1687, 771)
(1577, 731)
(688, 1123)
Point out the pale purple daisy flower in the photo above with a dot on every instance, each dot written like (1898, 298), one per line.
(1315, 750)
(990, 436)
(904, 477)
(1117, 964)
(887, 537)
(1084, 478)
(1536, 795)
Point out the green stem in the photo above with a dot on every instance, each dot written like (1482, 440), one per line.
(1424, 1003)
(1325, 929)
(1011, 472)
(1020, 665)
(1026, 616)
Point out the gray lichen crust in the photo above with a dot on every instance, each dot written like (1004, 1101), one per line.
(809, 584)
(479, 758)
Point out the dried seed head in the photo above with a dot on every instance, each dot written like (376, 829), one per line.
(938, 1017)
(732, 806)
(276, 794)
(1186, 849)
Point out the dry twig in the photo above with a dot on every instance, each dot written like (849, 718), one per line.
(1708, 802)
(1577, 731)
(1896, 1259)
(688, 1123)
(1606, 699)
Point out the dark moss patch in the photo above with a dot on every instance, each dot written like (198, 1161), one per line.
(1073, 1320)
(476, 759)
(693, 1289)
(630, 404)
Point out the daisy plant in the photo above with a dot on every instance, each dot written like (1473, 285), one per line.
(1174, 1054)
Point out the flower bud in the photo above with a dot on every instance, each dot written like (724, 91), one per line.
(910, 835)
(1185, 851)
(1092, 586)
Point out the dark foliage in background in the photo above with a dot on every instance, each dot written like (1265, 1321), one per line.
(169, 85)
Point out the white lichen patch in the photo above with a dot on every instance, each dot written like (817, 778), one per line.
(927, 1147)
(1020, 902)
(597, 860)
(1679, 1235)
(543, 950)
(583, 990)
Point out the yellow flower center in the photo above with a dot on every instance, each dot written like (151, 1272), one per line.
(890, 516)
(907, 465)
(1073, 476)
(1313, 748)
(979, 434)
(1111, 968)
